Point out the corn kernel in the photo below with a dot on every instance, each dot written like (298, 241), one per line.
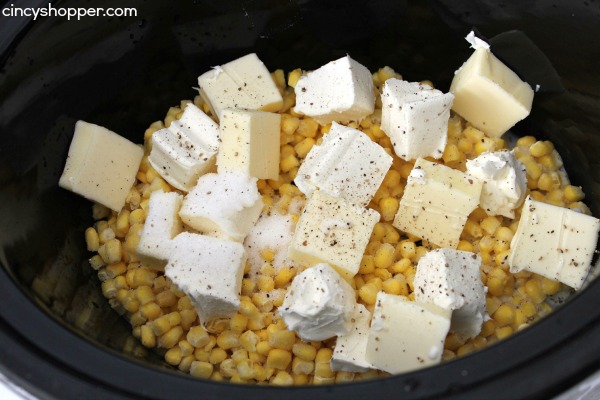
(201, 369)
(504, 315)
(278, 359)
(573, 193)
(388, 207)
(283, 339)
(384, 257)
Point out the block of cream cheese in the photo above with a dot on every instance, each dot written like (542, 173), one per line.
(555, 242)
(186, 149)
(250, 143)
(406, 335)
(161, 226)
(319, 304)
(209, 270)
(415, 117)
(504, 182)
(226, 205)
(488, 94)
(340, 91)
(347, 164)
(101, 165)
(242, 83)
(331, 230)
(451, 279)
(350, 348)
(436, 203)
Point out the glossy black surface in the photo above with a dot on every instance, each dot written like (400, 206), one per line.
(123, 73)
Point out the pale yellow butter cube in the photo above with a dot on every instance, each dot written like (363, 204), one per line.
(161, 226)
(101, 165)
(555, 242)
(490, 95)
(241, 83)
(436, 203)
(250, 143)
(406, 335)
(331, 230)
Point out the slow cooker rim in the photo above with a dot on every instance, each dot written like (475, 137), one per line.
(48, 335)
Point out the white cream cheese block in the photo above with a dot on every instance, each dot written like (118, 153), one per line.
(101, 165)
(451, 279)
(347, 164)
(406, 335)
(161, 226)
(554, 242)
(241, 83)
(186, 149)
(226, 204)
(319, 304)
(415, 117)
(351, 347)
(436, 203)
(340, 91)
(489, 94)
(250, 143)
(504, 182)
(209, 270)
(331, 230)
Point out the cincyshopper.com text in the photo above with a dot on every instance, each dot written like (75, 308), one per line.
(68, 12)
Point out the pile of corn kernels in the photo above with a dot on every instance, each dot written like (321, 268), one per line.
(254, 346)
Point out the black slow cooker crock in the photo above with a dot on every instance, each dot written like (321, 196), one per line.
(58, 336)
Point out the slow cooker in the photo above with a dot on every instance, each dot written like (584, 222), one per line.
(58, 336)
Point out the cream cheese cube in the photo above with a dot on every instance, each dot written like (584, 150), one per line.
(101, 165)
(161, 226)
(241, 83)
(406, 335)
(490, 95)
(554, 242)
(331, 230)
(209, 270)
(415, 117)
(348, 164)
(340, 91)
(319, 304)
(436, 203)
(226, 204)
(351, 347)
(250, 143)
(451, 279)
(504, 182)
(186, 149)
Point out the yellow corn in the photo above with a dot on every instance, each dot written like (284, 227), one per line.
(278, 359)
(283, 339)
(201, 369)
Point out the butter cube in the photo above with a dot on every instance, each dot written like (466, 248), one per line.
(161, 226)
(250, 143)
(490, 95)
(415, 117)
(209, 270)
(340, 91)
(242, 83)
(319, 304)
(348, 164)
(406, 335)
(331, 230)
(351, 347)
(436, 203)
(225, 204)
(101, 165)
(186, 149)
(555, 242)
(451, 279)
